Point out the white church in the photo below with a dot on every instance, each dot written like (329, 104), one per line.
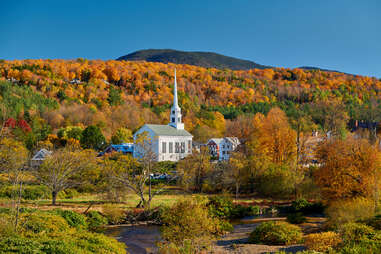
(169, 142)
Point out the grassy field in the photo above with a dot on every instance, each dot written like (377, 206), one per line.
(168, 197)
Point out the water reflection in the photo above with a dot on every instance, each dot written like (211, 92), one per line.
(140, 239)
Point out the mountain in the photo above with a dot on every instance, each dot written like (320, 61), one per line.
(203, 59)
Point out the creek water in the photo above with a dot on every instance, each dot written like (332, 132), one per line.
(142, 239)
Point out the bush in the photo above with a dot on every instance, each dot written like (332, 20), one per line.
(364, 247)
(305, 207)
(374, 222)
(18, 244)
(42, 222)
(220, 206)
(356, 232)
(223, 207)
(300, 204)
(29, 192)
(296, 218)
(277, 233)
(33, 192)
(189, 220)
(342, 212)
(240, 211)
(322, 242)
(72, 218)
(47, 232)
(97, 243)
(68, 194)
(114, 215)
(95, 220)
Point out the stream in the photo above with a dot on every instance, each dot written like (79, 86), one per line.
(142, 239)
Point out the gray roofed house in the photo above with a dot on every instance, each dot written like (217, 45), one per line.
(39, 157)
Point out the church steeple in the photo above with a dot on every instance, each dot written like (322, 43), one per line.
(175, 116)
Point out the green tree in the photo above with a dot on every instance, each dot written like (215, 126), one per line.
(114, 97)
(92, 138)
(122, 135)
(68, 132)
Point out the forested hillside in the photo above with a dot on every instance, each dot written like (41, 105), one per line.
(203, 59)
(114, 94)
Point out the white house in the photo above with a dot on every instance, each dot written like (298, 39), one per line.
(169, 142)
(39, 157)
(221, 148)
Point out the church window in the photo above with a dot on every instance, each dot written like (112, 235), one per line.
(189, 146)
(177, 147)
(173, 119)
(178, 119)
(173, 111)
(170, 147)
(164, 147)
(182, 147)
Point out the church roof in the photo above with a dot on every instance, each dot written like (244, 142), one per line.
(166, 130)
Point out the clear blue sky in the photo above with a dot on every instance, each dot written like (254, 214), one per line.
(343, 35)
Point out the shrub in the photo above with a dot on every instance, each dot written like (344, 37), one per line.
(42, 222)
(33, 192)
(72, 218)
(223, 207)
(220, 206)
(29, 192)
(296, 218)
(6, 226)
(68, 194)
(374, 222)
(356, 232)
(277, 233)
(18, 244)
(46, 232)
(300, 204)
(342, 212)
(189, 220)
(95, 220)
(363, 247)
(322, 242)
(305, 207)
(240, 211)
(97, 243)
(114, 214)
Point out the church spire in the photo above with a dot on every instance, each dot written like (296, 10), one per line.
(175, 103)
(175, 116)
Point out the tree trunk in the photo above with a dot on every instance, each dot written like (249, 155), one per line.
(54, 197)
(236, 189)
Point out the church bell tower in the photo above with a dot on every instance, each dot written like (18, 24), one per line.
(175, 116)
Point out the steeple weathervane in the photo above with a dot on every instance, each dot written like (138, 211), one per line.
(175, 116)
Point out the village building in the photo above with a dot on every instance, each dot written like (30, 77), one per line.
(125, 148)
(221, 148)
(168, 142)
(39, 157)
